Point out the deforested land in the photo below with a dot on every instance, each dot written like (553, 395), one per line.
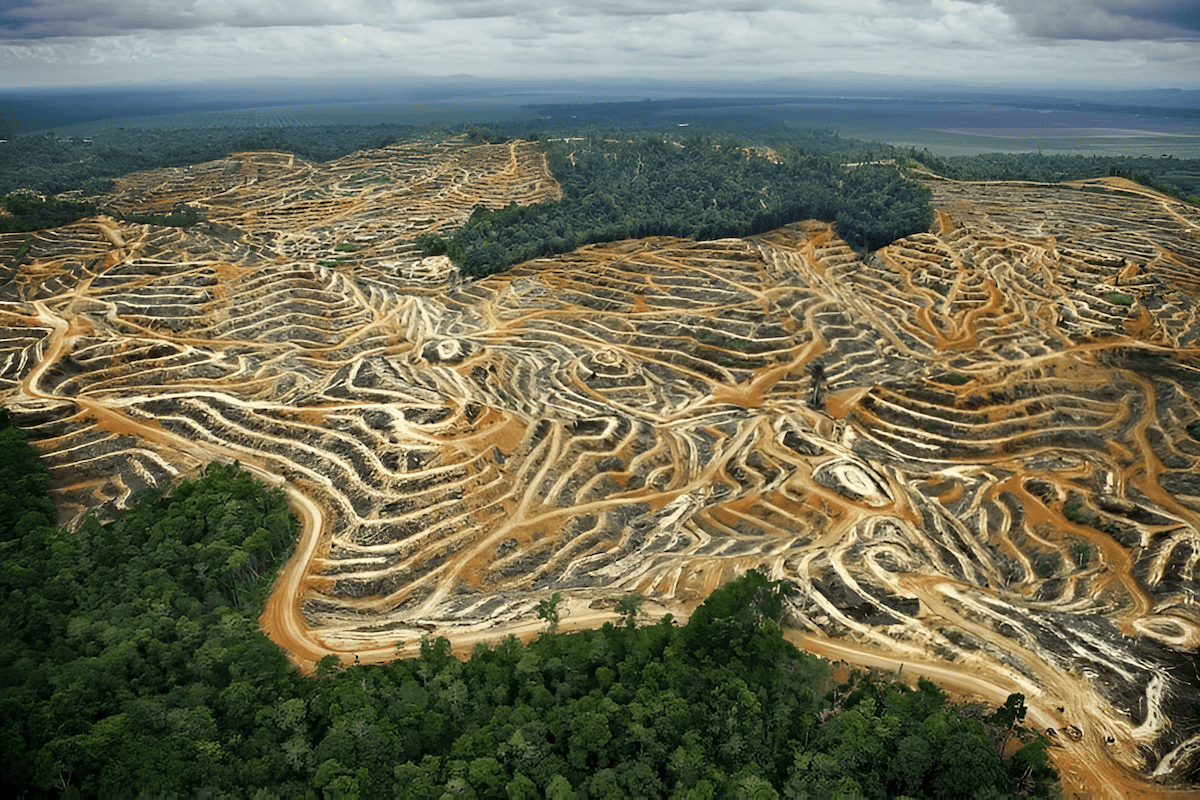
(536, 399)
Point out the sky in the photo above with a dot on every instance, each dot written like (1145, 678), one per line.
(1109, 43)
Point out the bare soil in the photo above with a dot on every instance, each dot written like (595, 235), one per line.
(969, 451)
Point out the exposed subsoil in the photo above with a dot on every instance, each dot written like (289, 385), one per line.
(969, 452)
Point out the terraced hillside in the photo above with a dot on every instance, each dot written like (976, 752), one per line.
(969, 451)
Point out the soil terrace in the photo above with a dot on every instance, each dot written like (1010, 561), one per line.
(969, 451)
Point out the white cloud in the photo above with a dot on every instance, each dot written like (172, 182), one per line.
(78, 41)
(1105, 20)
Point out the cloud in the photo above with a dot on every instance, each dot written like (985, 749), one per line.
(1104, 20)
(1052, 19)
(75, 41)
(37, 19)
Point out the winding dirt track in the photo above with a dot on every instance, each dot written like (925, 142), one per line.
(969, 452)
(280, 619)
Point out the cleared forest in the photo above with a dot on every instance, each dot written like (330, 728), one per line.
(972, 452)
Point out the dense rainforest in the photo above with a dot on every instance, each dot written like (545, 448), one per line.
(752, 118)
(29, 212)
(698, 187)
(1179, 178)
(49, 165)
(131, 662)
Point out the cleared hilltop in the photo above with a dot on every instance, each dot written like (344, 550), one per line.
(973, 452)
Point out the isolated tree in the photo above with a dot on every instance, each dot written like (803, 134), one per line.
(547, 611)
(630, 608)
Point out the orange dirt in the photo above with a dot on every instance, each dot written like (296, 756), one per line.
(642, 416)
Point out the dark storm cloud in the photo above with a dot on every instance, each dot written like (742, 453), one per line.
(37, 19)
(1104, 20)
(41, 19)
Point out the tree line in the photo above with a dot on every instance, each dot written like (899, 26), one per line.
(1174, 176)
(29, 212)
(131, 662)
(698, 187)
(48, 165)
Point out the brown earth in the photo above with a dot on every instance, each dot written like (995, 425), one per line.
(968, 451)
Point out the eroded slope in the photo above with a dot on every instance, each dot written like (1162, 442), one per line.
(969, 451)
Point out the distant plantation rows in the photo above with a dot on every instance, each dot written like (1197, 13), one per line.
(1177, 177)
(616, 184)
(48, 165)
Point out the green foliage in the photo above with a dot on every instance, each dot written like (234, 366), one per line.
(128, 649)
(431, 244)
(1120, 298)
(698, 188)
(131, 663)
(1179, 178)
(1012, 712)
(328, 665)
(547, 611)
(740, 621)
(1046, 565)
(28, 212)
(32, 213)
(24, 506)
(481, 135)
(183, 216)
(630, 608)
(1160, 181)
(48, 165)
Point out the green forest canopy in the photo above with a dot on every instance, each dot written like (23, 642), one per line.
(696, 187)
(131, 662)
(130, 658)
(49, 165)
(29, 212)
(619, 182)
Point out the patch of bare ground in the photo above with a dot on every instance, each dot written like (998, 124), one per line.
(969, 452)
